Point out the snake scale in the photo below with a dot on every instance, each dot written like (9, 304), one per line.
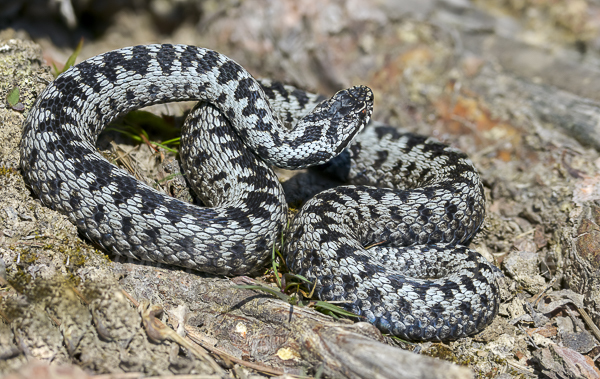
(391, 245)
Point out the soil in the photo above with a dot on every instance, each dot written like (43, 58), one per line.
(514, 84)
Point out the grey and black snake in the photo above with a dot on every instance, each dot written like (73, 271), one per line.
(391, 245)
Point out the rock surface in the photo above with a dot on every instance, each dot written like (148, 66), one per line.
(513, 84)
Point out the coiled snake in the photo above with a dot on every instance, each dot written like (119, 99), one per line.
(394, 254)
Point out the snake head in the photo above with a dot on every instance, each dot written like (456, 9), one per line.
(350, 111)
(325, 132)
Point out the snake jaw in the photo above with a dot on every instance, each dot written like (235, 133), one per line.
(352, 110)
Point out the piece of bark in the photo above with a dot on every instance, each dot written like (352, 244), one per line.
(352, 355)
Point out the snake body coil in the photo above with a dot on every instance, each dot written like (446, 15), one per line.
(418, 281)
(393, 244)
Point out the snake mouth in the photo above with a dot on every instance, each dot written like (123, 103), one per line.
(348, 140)
(365, 115)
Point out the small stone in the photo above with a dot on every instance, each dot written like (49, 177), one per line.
(564, 324)
(522, 266)
(582, 342)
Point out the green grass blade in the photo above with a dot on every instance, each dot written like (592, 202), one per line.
(169, 177)
(169, 149)
(400, 339)
(172, 141)
(73, 57)
(335, 309)
(71, 60)
(133, 136)
(302, 278)
(275, 266)
(279, 294)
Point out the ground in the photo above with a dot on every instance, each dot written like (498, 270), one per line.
(514, 84)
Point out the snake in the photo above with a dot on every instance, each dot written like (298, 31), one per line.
(391, 246)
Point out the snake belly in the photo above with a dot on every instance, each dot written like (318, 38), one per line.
(126, 217)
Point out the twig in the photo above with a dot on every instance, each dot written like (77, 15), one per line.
(5, 283)
(524, 370)
(537, 299)
(525, 233)
(197, 338)
(80, 295)
(589, 322)
(127, 295)
(5, 317)
(157, 330)
(529, 338)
